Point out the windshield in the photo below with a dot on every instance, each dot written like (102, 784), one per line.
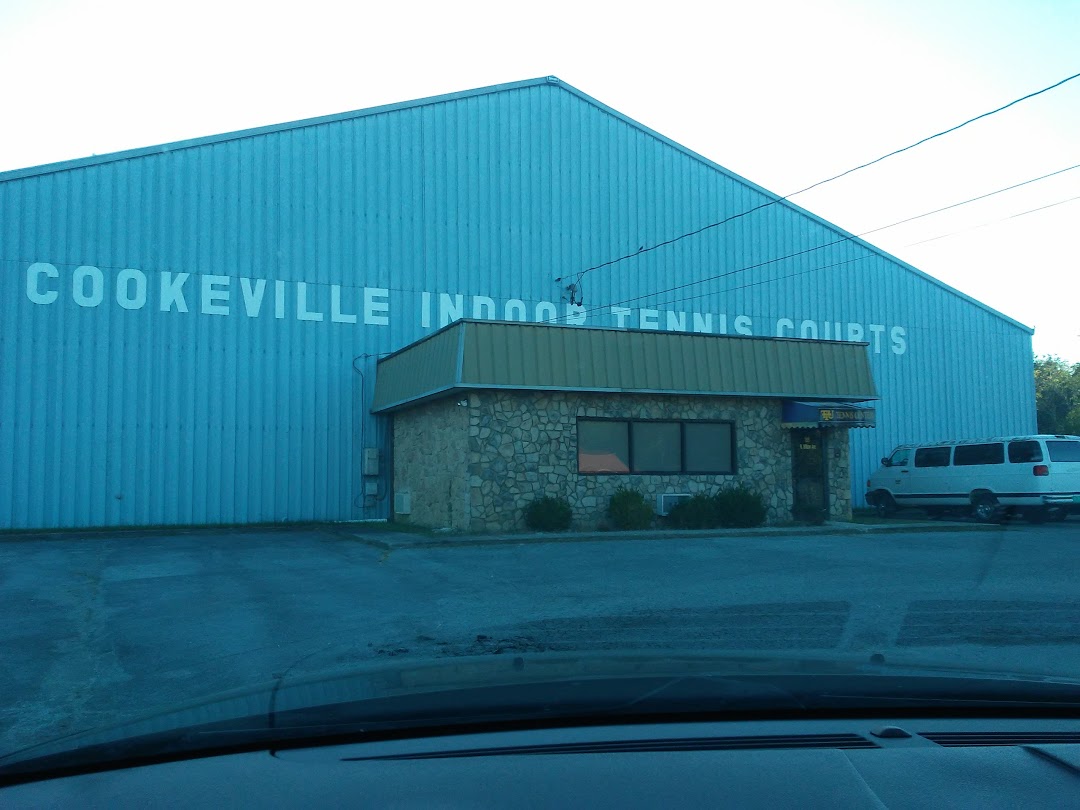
(427, 350)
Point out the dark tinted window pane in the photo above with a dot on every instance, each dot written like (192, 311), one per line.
(968, 454)
(603, 447)
(657, 446)
(932, 457)
(1063, 450)
(1024, 452)
(709, 448)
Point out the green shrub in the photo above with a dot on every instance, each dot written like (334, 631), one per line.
(696, 512)
(739, 507)
(628, 509)
(548, 514)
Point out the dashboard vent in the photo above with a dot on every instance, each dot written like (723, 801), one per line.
(834, 741)
(959, 739)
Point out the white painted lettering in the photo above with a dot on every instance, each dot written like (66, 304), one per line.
(546, 312)
(703, 323)
(575, 314)
(376, 306)
(33, 282)
(302, 311)
(425, 310)
(215, 295)
(783, 325)
(172, 291)
(124, 295)
(483, 308)
(649, 319)
(253, 297)
(279, 299)
(450, 308)
(876, 329)
(855, 332)
(676, 321)
(336, 315)
(514, 310)
(744, 326)
(897, 334)
(808, 330)
(78, 286)
(621, 314)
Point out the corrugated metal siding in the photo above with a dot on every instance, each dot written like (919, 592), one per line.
(424, 368)
(117, 416)
(499, 355)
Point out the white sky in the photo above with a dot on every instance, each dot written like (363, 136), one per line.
(783, 93)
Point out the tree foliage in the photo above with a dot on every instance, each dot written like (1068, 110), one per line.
(1057, 395)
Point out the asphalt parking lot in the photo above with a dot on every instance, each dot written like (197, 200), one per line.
(103, 627)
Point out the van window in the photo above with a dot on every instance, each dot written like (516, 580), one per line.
(1063, 451)
(932, 457)
(1025, 452)
(967, 455)
(900, 457)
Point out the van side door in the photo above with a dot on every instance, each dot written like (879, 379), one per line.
(929, 482)
(899, 474)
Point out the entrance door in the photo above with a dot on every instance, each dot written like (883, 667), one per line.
(808, 475)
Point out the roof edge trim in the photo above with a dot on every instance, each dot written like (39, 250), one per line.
(268, 129)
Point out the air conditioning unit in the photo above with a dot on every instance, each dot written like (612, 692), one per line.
(669, 499)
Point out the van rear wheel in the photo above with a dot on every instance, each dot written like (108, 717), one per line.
(984, 508)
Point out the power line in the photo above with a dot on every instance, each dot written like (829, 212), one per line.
(649, 248)
(995, 222)
(939, 134)
(847, 261)
(973, 199)
(848, 238)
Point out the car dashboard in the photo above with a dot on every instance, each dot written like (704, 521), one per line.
(836, 763)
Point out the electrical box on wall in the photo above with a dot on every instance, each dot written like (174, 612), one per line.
(403, 502)
(371, 461)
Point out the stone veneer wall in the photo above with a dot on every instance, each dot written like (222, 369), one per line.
(838, 447)
(524, 444)
(476, 468)
(430, 458)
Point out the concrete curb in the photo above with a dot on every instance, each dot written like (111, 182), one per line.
(388, 542)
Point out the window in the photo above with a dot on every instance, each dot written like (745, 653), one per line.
(900, 457)
(603, 447)
(968, 455)
(932, 457)
(708, 447)
(616, 446)
(1063, 451)
(1025, 452)
(656, 446)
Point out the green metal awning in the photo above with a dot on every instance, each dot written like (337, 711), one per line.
(539, 357)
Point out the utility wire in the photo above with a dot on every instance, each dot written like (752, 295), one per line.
(849, 261)
(673, 240)
(847, 239)
(994, 222)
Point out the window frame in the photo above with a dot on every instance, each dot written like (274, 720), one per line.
(682, 444)
(1037, 459)
(926, 450)
(968, 448)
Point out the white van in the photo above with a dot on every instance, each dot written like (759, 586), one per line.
(1037, 476)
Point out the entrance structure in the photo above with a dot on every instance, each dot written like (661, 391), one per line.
(488, 416)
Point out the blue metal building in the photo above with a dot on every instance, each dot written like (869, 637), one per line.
(190, 331)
